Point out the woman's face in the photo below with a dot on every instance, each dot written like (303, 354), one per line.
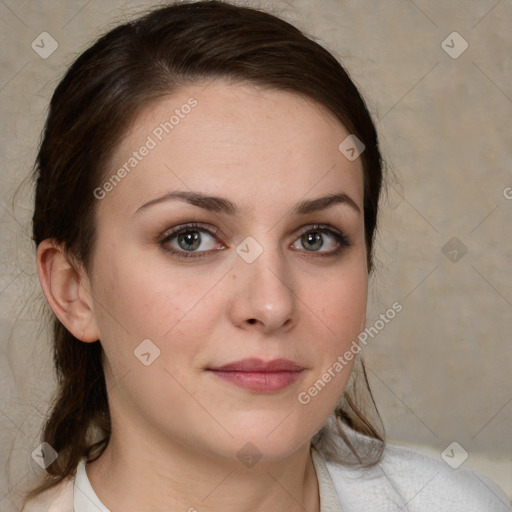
(252, 279)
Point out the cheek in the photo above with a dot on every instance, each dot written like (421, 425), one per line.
(144, 299)
(335, 330)
(341, 303)
(137, 300)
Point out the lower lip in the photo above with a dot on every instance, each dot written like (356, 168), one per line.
(261, 382)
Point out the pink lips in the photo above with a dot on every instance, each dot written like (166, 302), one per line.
(258, 375)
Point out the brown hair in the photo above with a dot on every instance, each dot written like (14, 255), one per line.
(93, 106)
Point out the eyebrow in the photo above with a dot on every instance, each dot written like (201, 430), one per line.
(223, 205)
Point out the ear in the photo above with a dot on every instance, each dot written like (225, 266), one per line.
(67, 290)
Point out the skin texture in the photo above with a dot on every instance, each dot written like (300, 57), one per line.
(177, 428)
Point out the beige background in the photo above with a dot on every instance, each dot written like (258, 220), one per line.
(441, 370)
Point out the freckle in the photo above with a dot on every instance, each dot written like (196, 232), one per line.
(234, 276)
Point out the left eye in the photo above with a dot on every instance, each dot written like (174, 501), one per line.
(314, 239)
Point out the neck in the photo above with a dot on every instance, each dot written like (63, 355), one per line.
(133, 474)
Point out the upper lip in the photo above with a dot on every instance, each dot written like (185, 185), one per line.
(254, 364)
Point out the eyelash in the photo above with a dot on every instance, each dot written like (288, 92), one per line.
(342, 239)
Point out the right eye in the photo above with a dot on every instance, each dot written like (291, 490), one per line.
(185, 240)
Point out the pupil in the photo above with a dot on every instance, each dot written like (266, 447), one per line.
(190, 237)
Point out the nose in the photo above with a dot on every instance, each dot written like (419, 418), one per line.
(263, 294)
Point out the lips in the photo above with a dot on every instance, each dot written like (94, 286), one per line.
(258, 375)
(258, 365)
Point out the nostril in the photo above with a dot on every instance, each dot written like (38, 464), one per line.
(252, 320)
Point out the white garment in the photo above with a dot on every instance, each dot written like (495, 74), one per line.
(409, 481)
(404, 481)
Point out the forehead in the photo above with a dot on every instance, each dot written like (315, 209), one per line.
(239, 140)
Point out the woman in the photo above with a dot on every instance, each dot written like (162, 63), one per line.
(206, 204)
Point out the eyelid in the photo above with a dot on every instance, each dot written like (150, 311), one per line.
(321, 228)
(212, 230)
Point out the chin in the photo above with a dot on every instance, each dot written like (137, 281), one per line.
(273, 443)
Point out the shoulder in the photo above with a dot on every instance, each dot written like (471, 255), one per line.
(408, 480)
(56, 499)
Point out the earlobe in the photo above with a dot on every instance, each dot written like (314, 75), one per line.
(66, 291)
